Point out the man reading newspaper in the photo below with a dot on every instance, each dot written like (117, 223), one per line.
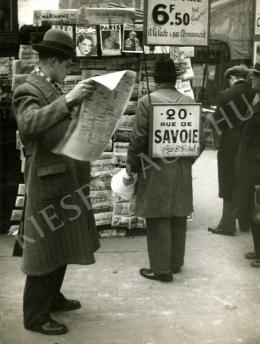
(59, 222)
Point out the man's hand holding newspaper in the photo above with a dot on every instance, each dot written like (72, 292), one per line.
(84, 89)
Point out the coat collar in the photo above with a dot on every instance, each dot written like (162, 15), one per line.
(165, 85)
(46, 88)
(241, 81)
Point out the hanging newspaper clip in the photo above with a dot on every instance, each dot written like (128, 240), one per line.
(175, 130)
(178, 22)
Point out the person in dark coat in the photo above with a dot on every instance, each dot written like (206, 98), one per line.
(59, 227)
(164, 190)
(249, 170)
(231, 112)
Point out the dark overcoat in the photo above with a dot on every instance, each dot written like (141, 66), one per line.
(249, 162)
(165, 189)
(59, 222)
(237, 98)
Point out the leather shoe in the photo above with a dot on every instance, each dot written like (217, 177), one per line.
(148, 273)
(220, 231)
(65, 306)
(50, 327)
(251, 255)
(256, 263)
(176, 269)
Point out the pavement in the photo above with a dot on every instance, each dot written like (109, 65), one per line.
(215, 299)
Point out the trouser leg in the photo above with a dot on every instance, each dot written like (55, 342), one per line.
(159, 244)
(39, 293)
(256, 237)
(178, 230)
(59, 297)
(243, 211)
(228, 219)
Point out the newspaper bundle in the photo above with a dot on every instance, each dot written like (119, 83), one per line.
(98, 117)
(126, 122)
(122, 135)
(120, 153)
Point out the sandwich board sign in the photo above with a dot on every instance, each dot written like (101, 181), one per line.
(175, 130)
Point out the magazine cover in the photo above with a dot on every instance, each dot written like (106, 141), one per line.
(110, 39)
(66, 28)
(86, 41)
(133, 38)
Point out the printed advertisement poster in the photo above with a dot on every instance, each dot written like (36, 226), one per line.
(179, 22)
(110, 38)
(55, 16)
(175, 130)
(86, 41)
(99, 16)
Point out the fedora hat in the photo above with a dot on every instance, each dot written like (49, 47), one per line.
(56, 41)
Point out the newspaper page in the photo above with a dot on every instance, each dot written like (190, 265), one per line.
(98, 117)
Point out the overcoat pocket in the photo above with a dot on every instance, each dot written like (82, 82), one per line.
(53, 181)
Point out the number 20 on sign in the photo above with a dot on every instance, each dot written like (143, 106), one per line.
(176, 22)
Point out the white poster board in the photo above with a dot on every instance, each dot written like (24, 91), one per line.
(175, 130)
(178, 22)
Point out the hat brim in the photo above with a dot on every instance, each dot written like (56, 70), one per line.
(45, 48)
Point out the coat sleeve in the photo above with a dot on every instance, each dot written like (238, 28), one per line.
(256, 133)
(218, 116)
(32, 118)
(139, 137)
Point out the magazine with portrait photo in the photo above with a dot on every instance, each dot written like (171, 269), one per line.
(86, 41)
(132, 38)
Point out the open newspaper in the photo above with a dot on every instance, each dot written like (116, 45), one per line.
(98, 117)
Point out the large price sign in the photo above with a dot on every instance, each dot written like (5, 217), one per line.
(175, 130)
(176, 22)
